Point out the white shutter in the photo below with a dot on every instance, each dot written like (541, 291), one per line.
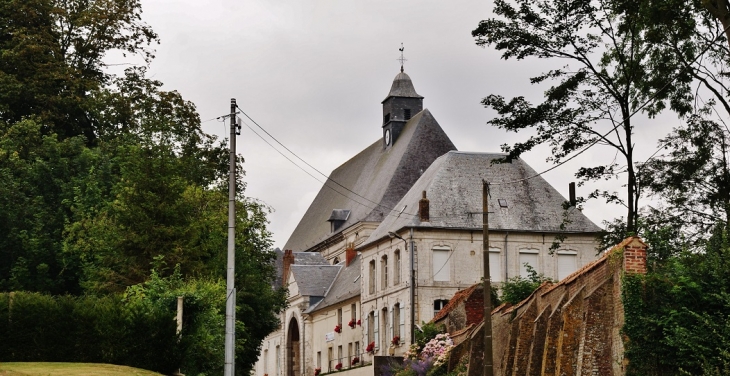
(376, 338)
(367, 333)
(495, 265)
(567, 264)
(402, 314)
(441, 265)
(392, 318)
(529, 257)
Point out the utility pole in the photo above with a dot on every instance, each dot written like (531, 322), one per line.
(230, 339)
(488, 356)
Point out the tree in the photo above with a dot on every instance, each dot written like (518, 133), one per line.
(593, 101)
(518, 288)
(677, 314)
(53, 58)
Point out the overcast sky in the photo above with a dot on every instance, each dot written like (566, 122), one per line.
(313, 74)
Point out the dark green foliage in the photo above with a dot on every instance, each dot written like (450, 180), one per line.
(678, 315)
(88, 329)
(518, 288)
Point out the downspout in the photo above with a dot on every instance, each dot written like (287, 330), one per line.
(413, 293)
(506, 264)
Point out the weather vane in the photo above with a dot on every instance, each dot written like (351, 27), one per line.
(401, 58)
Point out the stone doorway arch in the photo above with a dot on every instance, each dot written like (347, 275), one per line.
(293, 358)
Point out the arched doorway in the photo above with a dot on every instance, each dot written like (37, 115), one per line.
(293, 356)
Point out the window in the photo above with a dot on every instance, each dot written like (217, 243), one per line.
(357, 348)
(384, 272)
(384, 329)
(339, 317)
(371, 326)
(277, 360)
(441, 264)
(407, 113)
(349, 354)
(353, 312)
(495, 265)
(336, 261)
(372, 277)
(339, 354)
(396, 267)
(567, 263)
(528, 256)
(319, 359)
(266, 361)
(330, 356)
(386, 118)
(396, 321)
(438, 305)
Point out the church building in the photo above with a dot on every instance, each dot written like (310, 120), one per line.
(396, 230)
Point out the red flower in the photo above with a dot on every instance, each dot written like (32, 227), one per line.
(338, 366)
(355, 360)
(317, 371)
(358, 322)
(352, 323)
(395, 341)
(338, 329)
(371, 347)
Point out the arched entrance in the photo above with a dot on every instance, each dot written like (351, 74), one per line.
(293, 356)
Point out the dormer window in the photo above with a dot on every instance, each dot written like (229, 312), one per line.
(338, 218)
(407, 114)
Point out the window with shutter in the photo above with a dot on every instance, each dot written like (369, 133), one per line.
(495, 264)
(441, 264)
(376, 324)
(567, 263)
(528, 256)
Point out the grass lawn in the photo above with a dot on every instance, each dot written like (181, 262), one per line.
(70, 369)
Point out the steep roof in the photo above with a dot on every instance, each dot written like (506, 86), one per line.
(314, 280)
(453, 186)
(382, 176)
(300, 258)
(345, 286)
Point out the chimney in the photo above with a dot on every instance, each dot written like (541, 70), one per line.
(350, 254)
(423, 208)
(288, 261)
(635, 256)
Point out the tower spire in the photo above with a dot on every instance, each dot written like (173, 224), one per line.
(401, 58)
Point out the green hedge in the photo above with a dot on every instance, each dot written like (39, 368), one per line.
(36, 327)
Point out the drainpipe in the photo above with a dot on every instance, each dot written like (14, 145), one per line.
(413, 293)
(506, 264)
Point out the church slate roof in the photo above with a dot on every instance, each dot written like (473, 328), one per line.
(300, 258)
(345, 286)
(453, 186)
(314, 280)
(381, 175)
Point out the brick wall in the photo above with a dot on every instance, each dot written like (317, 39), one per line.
(569, 328)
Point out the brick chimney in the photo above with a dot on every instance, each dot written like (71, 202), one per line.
(288, 261)
(350, 254)
(635, 256)
(423, 208)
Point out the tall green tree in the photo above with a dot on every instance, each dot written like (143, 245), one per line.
(52, 58)
(595, 95)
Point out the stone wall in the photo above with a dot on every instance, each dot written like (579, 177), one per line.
(572, 327)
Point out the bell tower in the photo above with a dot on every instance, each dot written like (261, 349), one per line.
(401, 103)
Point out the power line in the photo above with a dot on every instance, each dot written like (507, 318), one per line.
(310, 166)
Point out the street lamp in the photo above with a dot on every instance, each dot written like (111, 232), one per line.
(393, 235)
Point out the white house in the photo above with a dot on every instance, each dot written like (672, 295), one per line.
(409, 196)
